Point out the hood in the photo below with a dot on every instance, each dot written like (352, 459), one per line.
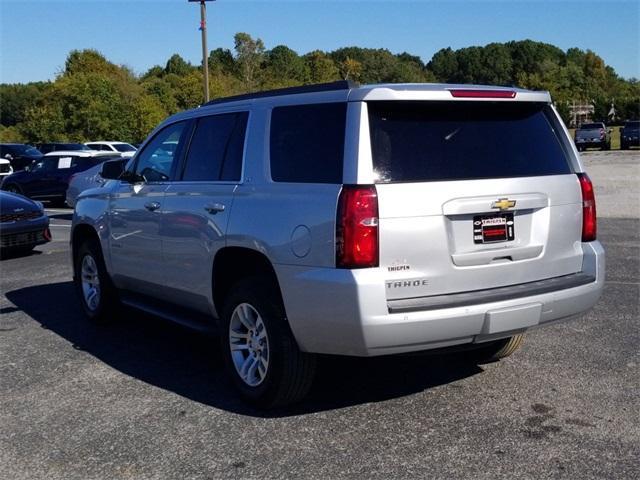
(10, 202)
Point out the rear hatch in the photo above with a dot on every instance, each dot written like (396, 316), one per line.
(473, 195)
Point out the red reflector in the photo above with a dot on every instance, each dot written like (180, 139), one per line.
(483, 93)
(357, 227)
(589, 226)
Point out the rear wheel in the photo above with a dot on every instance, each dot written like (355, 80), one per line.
(97, 294)
(494, 351)
(260, 352)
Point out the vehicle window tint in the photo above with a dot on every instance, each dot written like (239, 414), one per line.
(307, 143)
(434, 141)
(48, 164)
(215, 152)
(155, 162)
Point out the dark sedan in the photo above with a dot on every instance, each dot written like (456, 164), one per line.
(48, 178)
(630, 135)
(23, 224)
(19, 155)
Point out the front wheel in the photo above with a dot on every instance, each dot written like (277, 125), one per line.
(260, 352)
(93, 284)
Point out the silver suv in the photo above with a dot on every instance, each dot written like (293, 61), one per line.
(346, 220)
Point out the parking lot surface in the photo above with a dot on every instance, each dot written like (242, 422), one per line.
(145, 399)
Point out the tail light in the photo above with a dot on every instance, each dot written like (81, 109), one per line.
(588, 208)
(357, 227)
(468, 93)
(602, 133)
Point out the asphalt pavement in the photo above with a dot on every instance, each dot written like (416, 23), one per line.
(145, 399)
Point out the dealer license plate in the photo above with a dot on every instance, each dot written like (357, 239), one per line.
(493, 228)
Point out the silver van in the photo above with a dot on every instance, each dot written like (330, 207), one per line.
(348, 220)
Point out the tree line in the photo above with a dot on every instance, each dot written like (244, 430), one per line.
(94, 99)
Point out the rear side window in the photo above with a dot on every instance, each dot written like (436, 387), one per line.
(216, 148)
(437, 141)
(307, 143)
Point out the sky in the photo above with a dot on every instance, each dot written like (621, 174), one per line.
(37, 35)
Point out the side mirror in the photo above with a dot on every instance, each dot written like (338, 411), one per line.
(112, 170)
(8, 156)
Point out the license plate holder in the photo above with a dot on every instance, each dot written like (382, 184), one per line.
(494, 228)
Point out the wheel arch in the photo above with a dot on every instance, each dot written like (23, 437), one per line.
(79, 235)
(231, 264)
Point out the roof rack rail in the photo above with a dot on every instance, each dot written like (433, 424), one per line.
(318, 87)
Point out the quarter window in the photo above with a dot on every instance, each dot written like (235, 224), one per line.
(216, 148)
(307, 143)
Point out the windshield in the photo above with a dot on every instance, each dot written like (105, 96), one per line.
(436, 141)
(591, 126)
(26, 150)
(124, 147)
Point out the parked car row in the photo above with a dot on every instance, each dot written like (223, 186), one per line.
(597, 135)
(45, 172)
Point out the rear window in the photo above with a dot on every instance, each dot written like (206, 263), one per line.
(591, 126)
(307, 143)
(124, 147)
(436, 141)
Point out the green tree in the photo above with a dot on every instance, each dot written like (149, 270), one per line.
(178, 66)
(321, 67)
(249, 58)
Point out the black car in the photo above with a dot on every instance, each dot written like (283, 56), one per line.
(58, 146)
(23, 224)
(630, 135)
(48, 178)
(19, 155)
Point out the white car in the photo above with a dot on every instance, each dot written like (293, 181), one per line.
(125, 150)
(5, 168)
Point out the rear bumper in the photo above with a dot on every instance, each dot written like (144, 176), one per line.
(591, 143)
(345, 312)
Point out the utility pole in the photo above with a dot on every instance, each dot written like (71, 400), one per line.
(205, 53)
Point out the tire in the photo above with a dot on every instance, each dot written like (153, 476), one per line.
(253, 307)
(497, 350)
(13, 188)
(90, 274)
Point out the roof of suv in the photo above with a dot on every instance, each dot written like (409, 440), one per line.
(347, 91)
(395, 91)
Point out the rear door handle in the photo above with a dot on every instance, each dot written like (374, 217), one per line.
(214, 208)
(152, 206)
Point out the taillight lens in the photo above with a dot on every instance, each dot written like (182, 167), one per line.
(589, 226)
(357, 227)
(601, 133)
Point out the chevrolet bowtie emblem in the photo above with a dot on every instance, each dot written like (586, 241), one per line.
(503, 204)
